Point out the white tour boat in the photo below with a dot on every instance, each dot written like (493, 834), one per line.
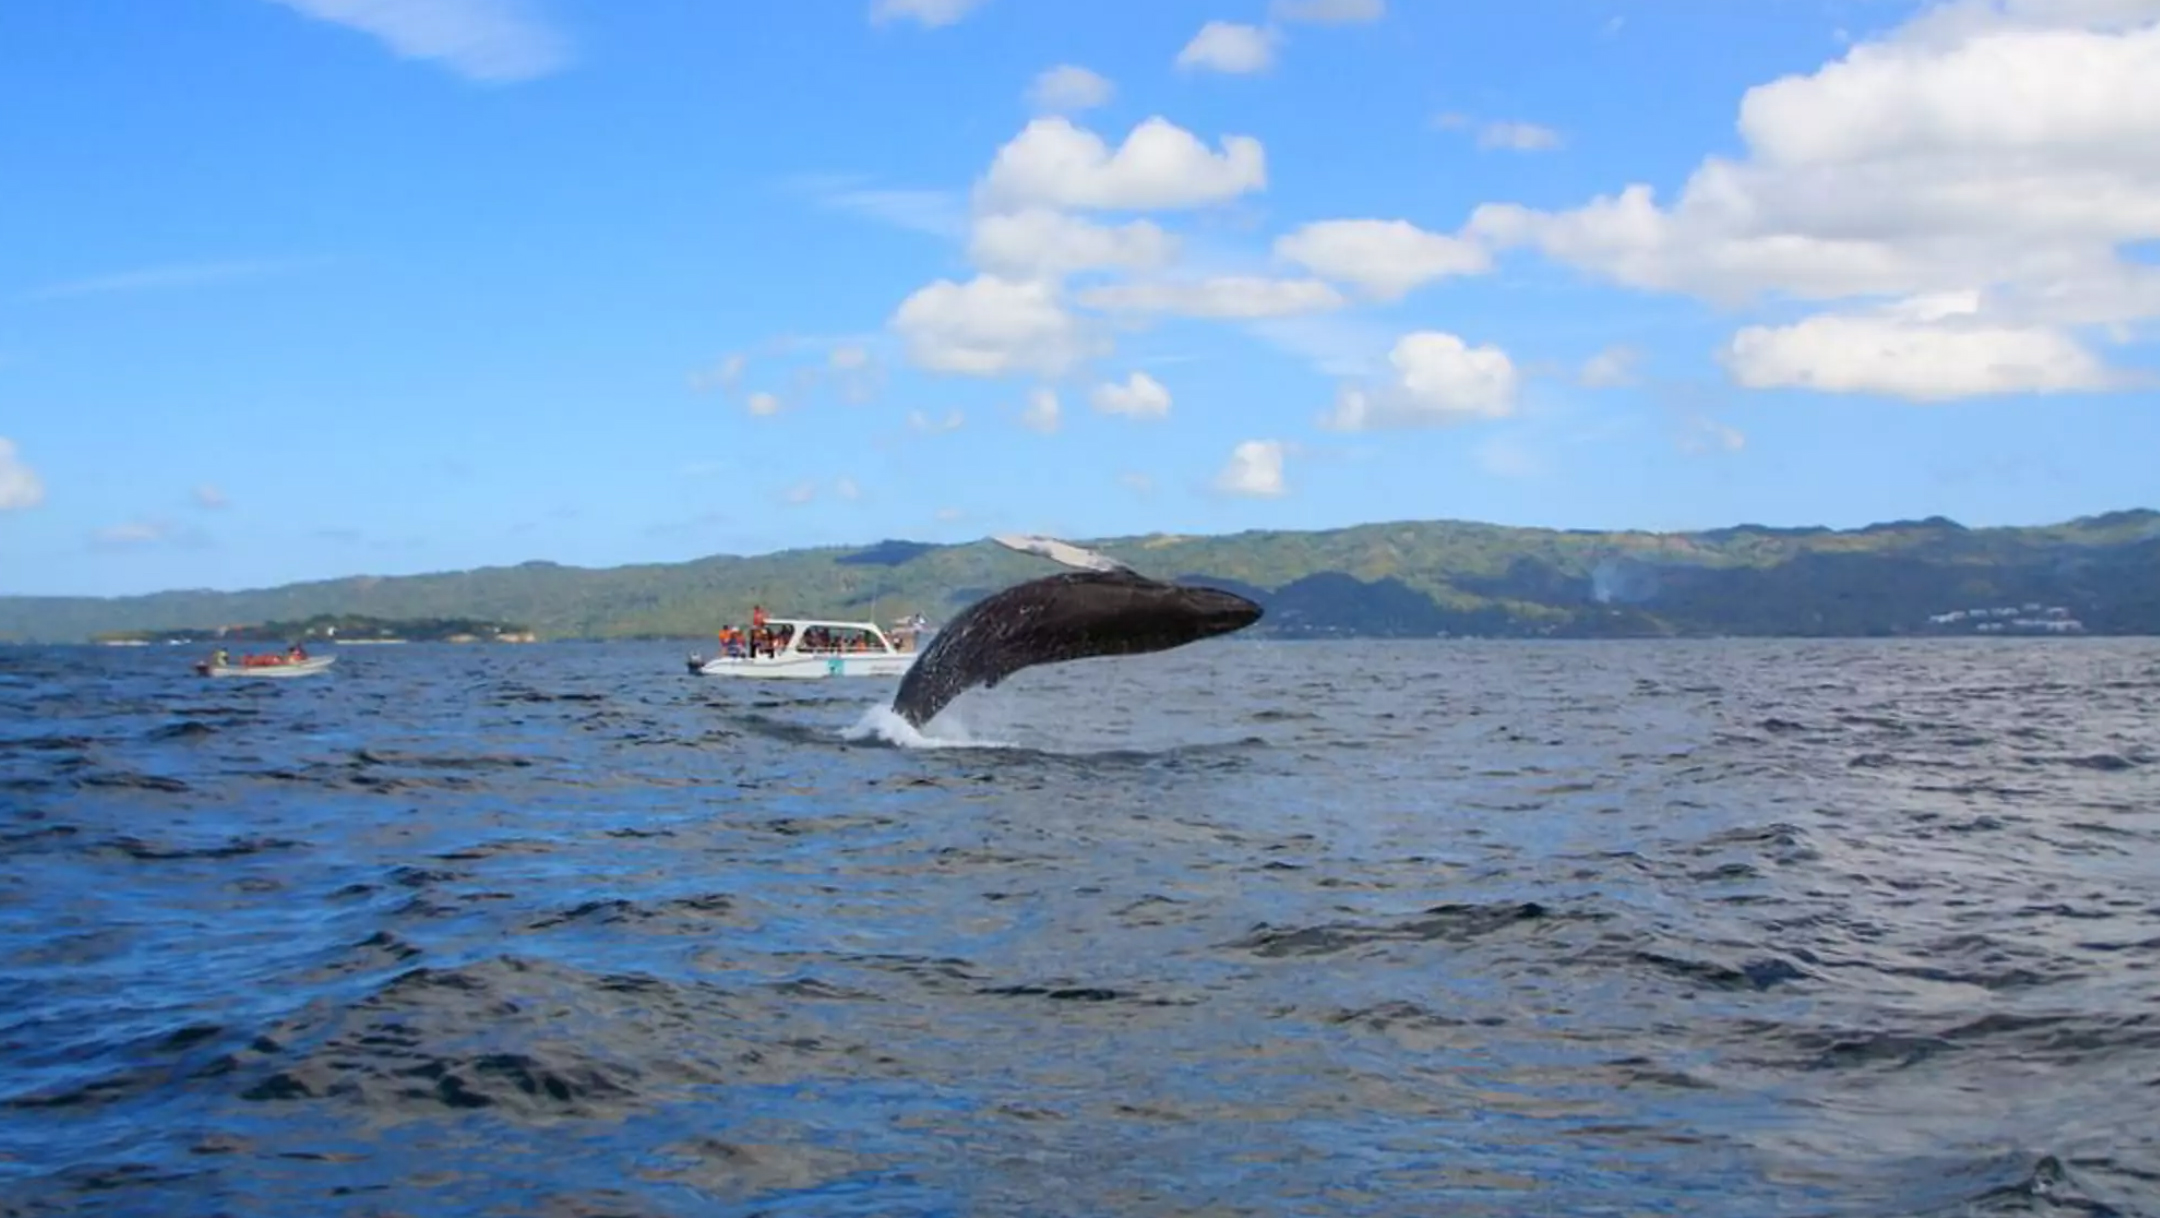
(281, 668)
(814, 648)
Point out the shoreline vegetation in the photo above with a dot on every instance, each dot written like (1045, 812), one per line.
(2095, 575)
(344, 629)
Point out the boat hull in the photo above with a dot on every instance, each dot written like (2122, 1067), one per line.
(804, 667)
(305, 668)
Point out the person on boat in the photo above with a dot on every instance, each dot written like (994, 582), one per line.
(299, 653)
(223, 658)
(757, 617)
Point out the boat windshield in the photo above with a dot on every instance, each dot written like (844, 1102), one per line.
(821, 639)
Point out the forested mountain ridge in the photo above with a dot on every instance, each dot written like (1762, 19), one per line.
(2096, 574)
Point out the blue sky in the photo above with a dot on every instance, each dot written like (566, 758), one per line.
(302, 288)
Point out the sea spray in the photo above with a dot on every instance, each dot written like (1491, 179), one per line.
(882, 723)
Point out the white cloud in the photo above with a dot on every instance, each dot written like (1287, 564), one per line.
(931, 13)
(1614, 366)
(938, 213)
(1918, 353)
(763, 403)
(1227, 46)
(1339, 344)
(1438, 380)
(723, 376)
(1328, 12)
(1160, 165)
(209, 496)
(132, 533)
(806, 491)
(1141, 396)
(2005, 150)
(918, 421)
(857, 375)
(1039, 241)
(1512, 134)
(494, 40)
(1067, 88)
(1518, 136)
(949, 515)
(1383, 258)
(20, 487)
(1042, 412)
(1235, 296)
(177, 275)
(1255, 469)
(1705, 434)
(1137, 483)
(990, 326)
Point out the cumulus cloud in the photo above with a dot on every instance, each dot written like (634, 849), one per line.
(1255, 469)
(209, 496)
(491, 40)
(1053, 163)
(1025, 240)
(1038, 241)
(1921, 351)
(20, 487)
(845, 488)
(764, 403)
(990, 326)
(1438, 380)
(1385, 259)
(1141, 397)
(1067, 88)
(1614, 366)
(1231, 296)
(1042, 413)
(1137, 483)
(1228, 46)
(1328, 12)
(930, 13)
(2007, 150)
(799, 494)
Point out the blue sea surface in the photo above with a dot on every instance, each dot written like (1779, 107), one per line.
(1252, 927)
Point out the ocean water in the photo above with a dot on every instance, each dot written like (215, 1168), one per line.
(1475, 928)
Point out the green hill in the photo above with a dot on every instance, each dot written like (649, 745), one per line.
(2098, 574)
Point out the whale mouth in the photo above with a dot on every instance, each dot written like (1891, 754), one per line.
(1221, 612)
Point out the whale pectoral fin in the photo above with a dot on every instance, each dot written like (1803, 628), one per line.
(1062, 552)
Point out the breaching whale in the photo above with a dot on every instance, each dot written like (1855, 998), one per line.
(1104, 608)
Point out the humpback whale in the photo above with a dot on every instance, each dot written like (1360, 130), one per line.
(1102, 608)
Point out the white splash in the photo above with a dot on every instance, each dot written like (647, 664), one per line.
(883, 723)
